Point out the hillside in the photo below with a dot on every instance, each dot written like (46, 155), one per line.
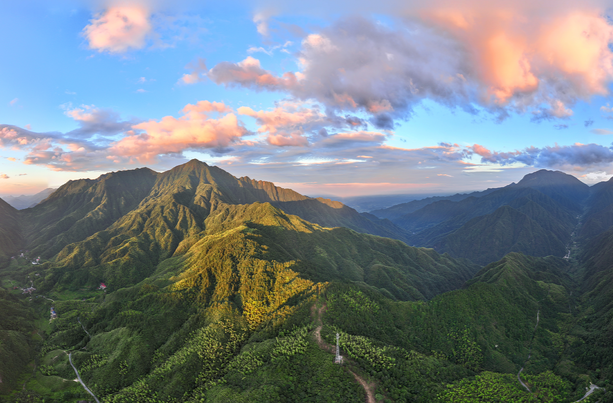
(193, 285)
(10, 233)
(550, 200)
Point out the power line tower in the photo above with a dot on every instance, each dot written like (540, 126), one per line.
(339, 358)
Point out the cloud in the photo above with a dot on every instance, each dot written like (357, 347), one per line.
(22, 175)
(560, 127)
(557, 110)
(588, 123)
(93, 120)
(602, 132)
(4, 176)
(607, 111)
(198, 73)
(249, 73)
(576, 157)
(271, 50)
(14, 101)
(260, 19)
(119, 29)
(288, 123)
(493, 58)
(170, 135)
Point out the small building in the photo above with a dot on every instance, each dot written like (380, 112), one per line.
(102, 286)
(53, 314)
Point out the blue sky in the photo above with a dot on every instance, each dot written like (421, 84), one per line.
(393, 97)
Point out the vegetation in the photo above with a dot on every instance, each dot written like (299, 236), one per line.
(223, 289)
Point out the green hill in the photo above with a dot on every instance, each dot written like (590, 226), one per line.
(488, 238)
(224, 289)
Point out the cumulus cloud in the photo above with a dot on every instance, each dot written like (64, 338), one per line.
(196, 129)
(249, 73)
(119, 29)
(4, 176)
(288, 123)
(501, 59)
(588, 123)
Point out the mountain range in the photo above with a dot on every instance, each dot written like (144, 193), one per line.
(193, 285)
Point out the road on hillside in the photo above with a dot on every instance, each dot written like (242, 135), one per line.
(538, 316)
(79, 379)
(589, 392)
(369, 388)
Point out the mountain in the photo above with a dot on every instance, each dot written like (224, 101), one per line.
(192, 202)
(193, 285)
(488, 238)
(599, 215)
(10, 233)
(536, 216)
(402, 209)
(25, 201)
(81, 208)
(567, 190)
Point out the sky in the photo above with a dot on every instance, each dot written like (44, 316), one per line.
(325, 97)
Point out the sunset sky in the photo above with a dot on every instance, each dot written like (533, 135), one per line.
(326, 97)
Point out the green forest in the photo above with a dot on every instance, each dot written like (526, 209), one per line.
(195, 286)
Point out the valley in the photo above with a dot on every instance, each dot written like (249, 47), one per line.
(192, 285)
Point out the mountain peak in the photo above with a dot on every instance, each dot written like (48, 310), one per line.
(544, 177)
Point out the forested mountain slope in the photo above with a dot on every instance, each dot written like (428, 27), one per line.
(192, 285)
(11, 239)
(536, 216)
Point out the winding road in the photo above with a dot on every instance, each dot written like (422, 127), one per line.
(368, 387)
(79, 379)
(538, 316)
(79, 320)
(589, 392)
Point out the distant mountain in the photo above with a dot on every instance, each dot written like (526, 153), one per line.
(488, 238)
(402, 209)
(599, 215)
(565, 189)
(535, 216)
(26, 201)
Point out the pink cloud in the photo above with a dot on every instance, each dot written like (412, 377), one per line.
(287, 140)
(119, 29)
(499, 57)
(194, 130)
(249, 73)
(285, 116)
(4, 176)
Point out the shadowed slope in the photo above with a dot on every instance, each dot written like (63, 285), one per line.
(10, 232)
